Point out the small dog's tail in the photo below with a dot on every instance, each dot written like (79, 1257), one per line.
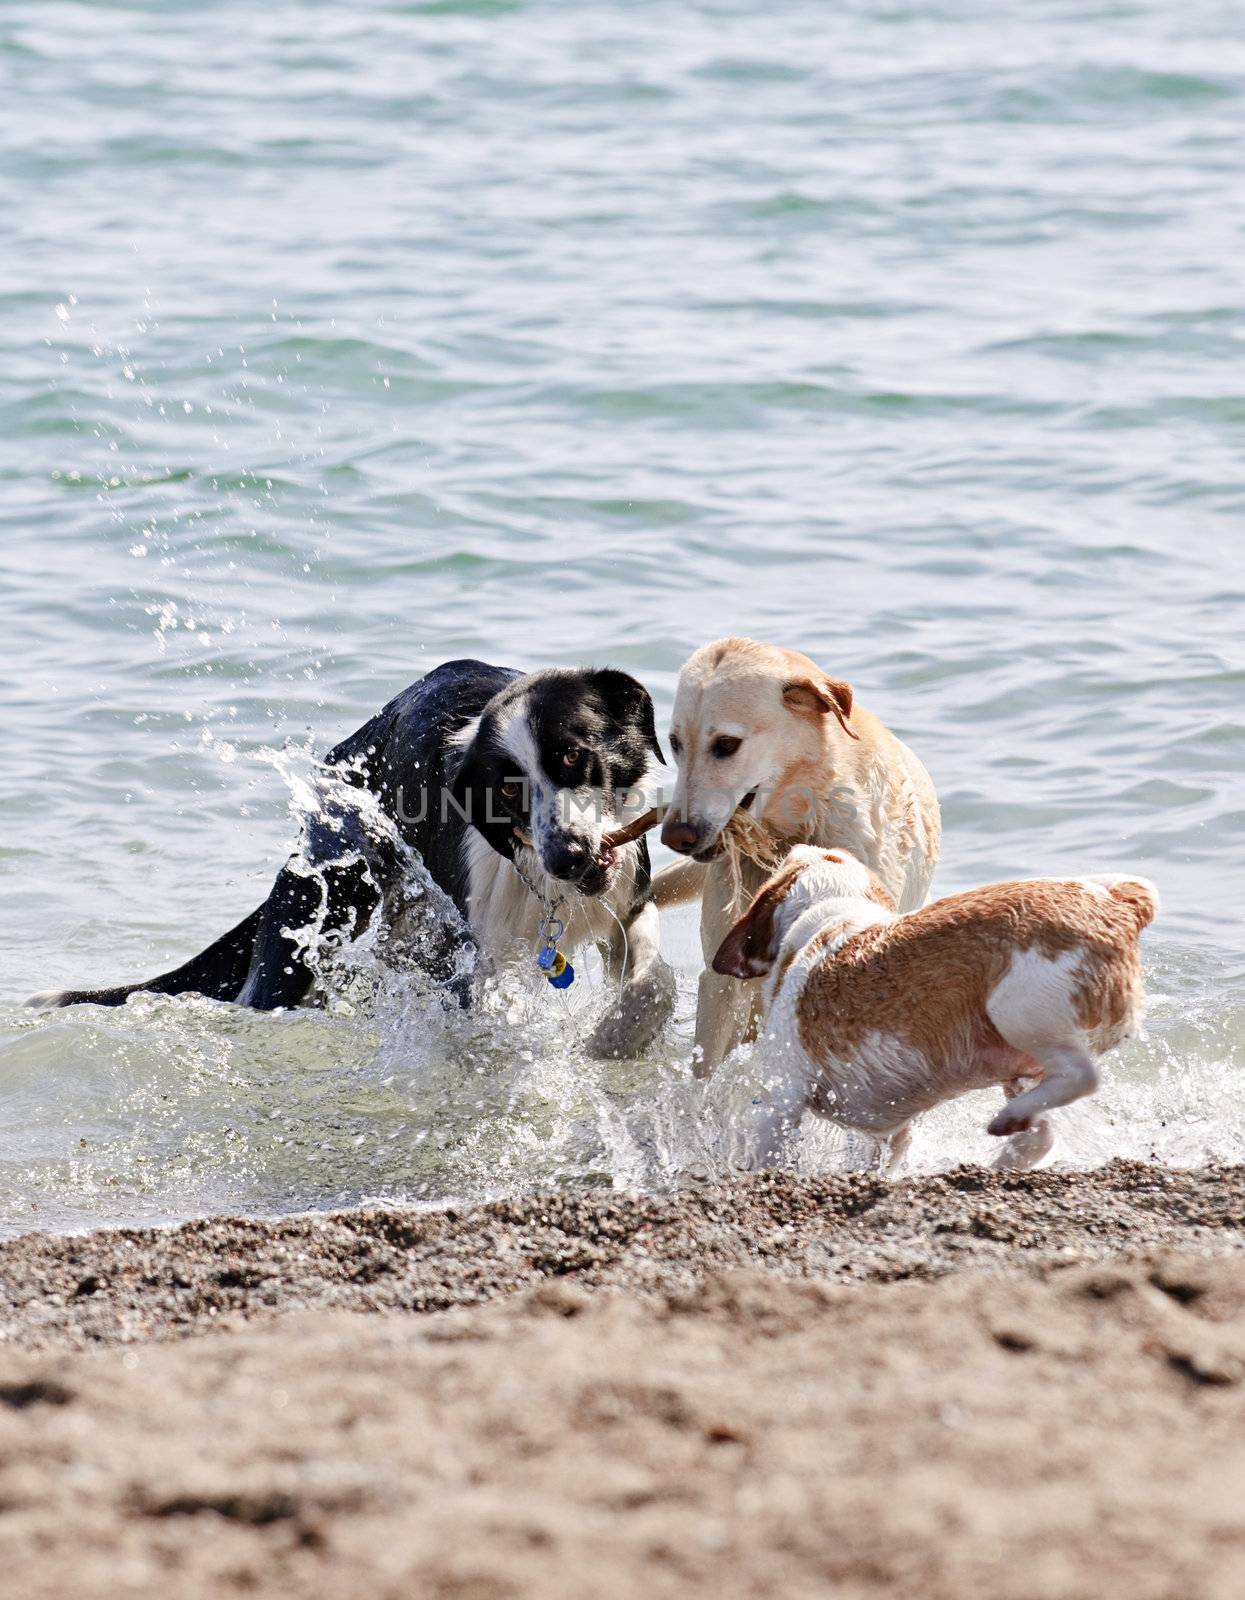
(1138, 894)
(217, 972)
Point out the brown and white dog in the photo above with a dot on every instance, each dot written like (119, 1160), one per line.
(873, 1017)
(772, 751)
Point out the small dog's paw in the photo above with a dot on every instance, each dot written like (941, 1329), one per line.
(1008, 1122)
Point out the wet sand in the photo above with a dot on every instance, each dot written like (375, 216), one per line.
(971, 1385)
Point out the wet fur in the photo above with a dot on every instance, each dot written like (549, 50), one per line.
(422, 780)
(803, 732)
(873, 1017)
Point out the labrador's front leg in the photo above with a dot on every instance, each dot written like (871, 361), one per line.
(638, 1013)
(726, 1016)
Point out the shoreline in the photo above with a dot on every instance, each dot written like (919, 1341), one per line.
(130, 1284)
(970, 1387)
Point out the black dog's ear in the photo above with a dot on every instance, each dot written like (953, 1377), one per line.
(463, 784)
(627, 700)
(471, 798)
(466, 787)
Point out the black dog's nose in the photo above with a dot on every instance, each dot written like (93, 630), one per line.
(568, 858)
(679, 835)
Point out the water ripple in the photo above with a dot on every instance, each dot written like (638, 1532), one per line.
(338, 341)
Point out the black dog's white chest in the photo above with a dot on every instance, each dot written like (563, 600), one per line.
(506, 917)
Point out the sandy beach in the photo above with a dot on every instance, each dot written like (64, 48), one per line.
(969, 1385)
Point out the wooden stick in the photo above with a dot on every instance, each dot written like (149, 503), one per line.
(633, 830)
(620, 836)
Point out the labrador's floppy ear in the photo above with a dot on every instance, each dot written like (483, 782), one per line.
(813, 697)
(628, 701)
(749, 949)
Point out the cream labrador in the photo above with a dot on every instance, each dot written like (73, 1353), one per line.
(771, 752)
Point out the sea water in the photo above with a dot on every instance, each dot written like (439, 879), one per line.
(338, 341)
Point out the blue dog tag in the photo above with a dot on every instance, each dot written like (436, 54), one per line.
(556, 968)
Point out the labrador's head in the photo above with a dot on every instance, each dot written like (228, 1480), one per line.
(749, 734)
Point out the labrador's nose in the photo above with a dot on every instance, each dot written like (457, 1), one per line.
(679, 835)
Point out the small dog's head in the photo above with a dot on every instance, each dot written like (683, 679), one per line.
(808, 876)
(548, 763)
(749, 736)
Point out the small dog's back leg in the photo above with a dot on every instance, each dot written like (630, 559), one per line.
(891, 1151)
(1024, 1150)
(1069, 1072)
(865, 1152)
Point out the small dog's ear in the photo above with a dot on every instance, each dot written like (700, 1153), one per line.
(629, 701)
(813, 697)
(749, 949)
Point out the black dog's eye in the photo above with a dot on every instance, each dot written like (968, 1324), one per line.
(571, 758)
(511, 790)
(723, 747)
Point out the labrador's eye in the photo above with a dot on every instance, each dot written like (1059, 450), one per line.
(511, 790)
(724, 747)
(676, 744)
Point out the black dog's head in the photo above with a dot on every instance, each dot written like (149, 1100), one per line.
(548, 761)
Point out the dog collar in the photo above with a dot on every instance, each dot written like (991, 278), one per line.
(557, 969)
(553, 965)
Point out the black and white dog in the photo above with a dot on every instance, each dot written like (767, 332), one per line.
(504, 784)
